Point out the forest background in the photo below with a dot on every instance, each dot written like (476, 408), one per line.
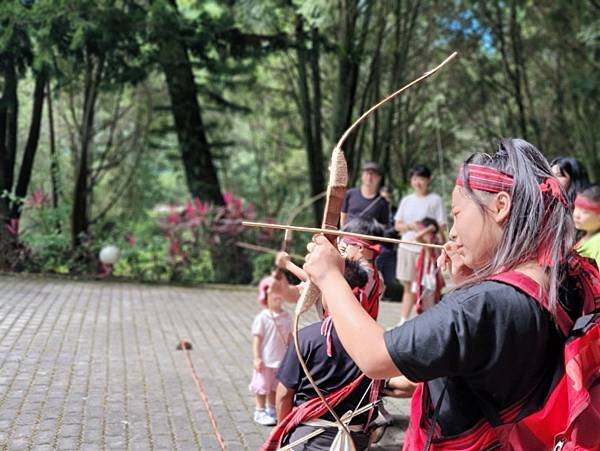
(156, 125)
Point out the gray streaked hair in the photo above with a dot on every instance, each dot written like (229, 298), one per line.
(538, 223)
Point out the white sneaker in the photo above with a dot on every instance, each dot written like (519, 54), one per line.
(272, 413)
(261, 417)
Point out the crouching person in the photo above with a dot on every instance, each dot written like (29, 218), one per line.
(300, 411)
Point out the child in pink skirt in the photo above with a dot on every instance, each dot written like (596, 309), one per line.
(271, 332)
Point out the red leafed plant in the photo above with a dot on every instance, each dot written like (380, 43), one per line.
(200, 226)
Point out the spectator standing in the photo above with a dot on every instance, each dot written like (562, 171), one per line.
(414, 208)
(365, 201)
(570, 174)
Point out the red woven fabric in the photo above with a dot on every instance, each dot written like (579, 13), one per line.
(551, 185)
(485, 178)
(571, 412)
(376, 248)
(307, 411)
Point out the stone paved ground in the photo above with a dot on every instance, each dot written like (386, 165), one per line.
(93, 366)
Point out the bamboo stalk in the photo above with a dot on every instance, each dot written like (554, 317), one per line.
(315, 230)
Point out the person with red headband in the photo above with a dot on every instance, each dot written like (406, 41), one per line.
(300, 412)
(363, 251)
(488, 358)
(587, 218)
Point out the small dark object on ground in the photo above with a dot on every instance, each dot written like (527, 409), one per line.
(184, 344)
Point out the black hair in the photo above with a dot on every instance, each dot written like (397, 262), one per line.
(592, 192)
(420, 170)
(430, 222)
(572, 168)
(364, 226)
(355, 274)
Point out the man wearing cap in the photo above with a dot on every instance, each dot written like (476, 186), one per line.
(365, 201)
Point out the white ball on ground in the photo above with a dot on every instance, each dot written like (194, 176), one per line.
(110, 254)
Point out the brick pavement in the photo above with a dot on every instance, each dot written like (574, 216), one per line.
(93, 365)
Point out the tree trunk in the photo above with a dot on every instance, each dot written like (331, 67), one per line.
(397, 74)
(319, 184)
(32, 142)
(347, 77)
(9, 113)
(200, 172)
(310, 112)
(54, 168)
(8, 149)
(80, 213)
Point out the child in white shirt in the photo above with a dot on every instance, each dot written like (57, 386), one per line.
(271, 332)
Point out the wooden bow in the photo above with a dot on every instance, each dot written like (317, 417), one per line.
(336, 191)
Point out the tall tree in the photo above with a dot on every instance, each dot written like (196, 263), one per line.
(173, 57)
(309, 104)
(353, 31)
(97, 47)
(16, 56)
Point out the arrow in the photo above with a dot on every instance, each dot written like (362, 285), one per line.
(267, 225)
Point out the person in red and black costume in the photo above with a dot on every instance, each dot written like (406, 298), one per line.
(365, 252)
(486, 357)
(334, 372)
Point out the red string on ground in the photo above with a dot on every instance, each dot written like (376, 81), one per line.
(203, 396)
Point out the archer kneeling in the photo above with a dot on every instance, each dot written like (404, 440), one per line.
(352, 395)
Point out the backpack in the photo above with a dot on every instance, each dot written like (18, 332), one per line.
(569, 420)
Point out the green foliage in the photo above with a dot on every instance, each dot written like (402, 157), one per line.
(541, 84)
(149, 261)
(262, 264)
(49, 248)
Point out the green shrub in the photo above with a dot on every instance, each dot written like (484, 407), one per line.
(262, 264)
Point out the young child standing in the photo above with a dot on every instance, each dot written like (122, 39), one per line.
(271, 332)
(586, 216)
(429, 282)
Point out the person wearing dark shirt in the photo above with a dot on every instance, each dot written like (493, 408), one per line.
(366, 201)
(333, 371)
(330, 374)
(487, 348)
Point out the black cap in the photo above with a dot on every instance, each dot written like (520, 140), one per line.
(372, 166)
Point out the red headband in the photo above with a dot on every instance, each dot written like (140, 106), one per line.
(586, 204)
(485, 178)
(488, 179)
(375, 248)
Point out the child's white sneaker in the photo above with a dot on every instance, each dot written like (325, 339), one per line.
(272, 413)
(261, 417)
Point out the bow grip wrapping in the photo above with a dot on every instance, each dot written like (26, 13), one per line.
(336, 192)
